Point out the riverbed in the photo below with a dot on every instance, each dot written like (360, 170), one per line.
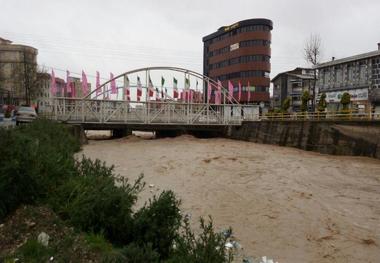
(284, 203)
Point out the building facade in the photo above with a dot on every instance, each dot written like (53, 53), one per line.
(292, 84)
(241, 52)
(18, 72)
(358, 75)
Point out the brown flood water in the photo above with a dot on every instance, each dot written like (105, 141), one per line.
(284, 203)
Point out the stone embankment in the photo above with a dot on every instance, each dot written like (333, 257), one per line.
(356, 138)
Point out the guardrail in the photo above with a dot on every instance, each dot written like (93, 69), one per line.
(344, 115)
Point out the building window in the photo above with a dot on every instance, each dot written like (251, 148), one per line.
(350, 73)
(362, 73)
(327, 77)
(339, 76)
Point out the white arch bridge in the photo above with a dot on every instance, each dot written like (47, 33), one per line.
(97, 111)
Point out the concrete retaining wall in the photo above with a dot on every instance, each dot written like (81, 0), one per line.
(357, 138)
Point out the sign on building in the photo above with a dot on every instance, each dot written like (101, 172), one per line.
(234, 46)
(356, 95)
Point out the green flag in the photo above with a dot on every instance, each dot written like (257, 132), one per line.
(187, 83)
(162, 81)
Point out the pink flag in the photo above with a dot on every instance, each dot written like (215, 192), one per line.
(208, 92)
(249, 92)
(68, 82)
(113, 84)
(53, 85)
(84, 84)
(218, 95)
(98, 90)
(191, 94)
(230, 90)
(239, 91)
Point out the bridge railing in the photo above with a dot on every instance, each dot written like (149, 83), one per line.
(343, 115)
(152, 112)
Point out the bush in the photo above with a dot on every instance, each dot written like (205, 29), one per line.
(305, 100)
(157, 223)
(136, 254)
(92, 202)
(322, 104)
(208, 247)
(34, 159)
(286, 105)
(34, 252)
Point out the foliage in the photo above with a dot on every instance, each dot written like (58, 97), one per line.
(97, 242)
(304, 100)
(93, 202)
(136, 254)
(286, 104)
(208, 247)
(345, 100)
(157, 223)
(33, 160)
(322, 102)
(37, 164)
(34, 252)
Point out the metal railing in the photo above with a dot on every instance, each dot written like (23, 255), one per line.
(74, 110)
(343, 115)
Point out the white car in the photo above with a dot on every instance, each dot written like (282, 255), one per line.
(25, 114)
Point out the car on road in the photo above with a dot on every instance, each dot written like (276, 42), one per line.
(25, 114)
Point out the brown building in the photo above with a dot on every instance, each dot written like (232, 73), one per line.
(18, 72)
(241, 52)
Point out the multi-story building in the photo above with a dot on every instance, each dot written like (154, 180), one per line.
(18, 72)
(358, 75)
(292, 84)
(241, 52)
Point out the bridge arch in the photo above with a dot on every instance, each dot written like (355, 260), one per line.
(205, 80)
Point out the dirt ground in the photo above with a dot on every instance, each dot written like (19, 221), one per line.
(284, 203)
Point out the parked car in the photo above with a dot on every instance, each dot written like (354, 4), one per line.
(1, 114)
(25, 114)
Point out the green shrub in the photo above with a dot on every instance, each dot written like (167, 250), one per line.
(322, 104)
(136, 254)
(157, 223)
(34, 252)
(286, 105)
(34, 160)
(98, 243)
(208, 247)
(18, 173)
(305, 100)
(96, 201)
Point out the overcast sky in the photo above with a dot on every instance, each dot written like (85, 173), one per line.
(118, 36)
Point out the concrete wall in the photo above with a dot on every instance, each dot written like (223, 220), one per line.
(358, 138)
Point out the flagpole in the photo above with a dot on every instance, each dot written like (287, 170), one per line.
(146, 83)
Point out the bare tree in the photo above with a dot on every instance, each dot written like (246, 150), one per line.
(312, 53)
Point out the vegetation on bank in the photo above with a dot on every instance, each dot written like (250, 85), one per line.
(37, 167)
